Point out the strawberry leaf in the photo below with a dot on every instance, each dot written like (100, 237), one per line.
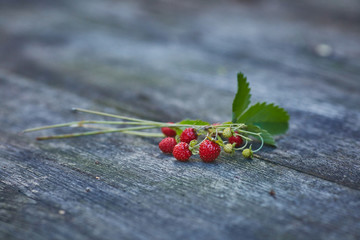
(272, 118)
(242, 97)
(194, 122)
(268, 138)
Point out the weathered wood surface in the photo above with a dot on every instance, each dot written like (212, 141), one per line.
(167, 60)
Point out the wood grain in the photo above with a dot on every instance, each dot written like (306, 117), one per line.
(167, 61)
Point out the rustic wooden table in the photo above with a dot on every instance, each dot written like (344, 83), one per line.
(168, 60)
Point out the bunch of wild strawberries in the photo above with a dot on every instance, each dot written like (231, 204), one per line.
(186, 144)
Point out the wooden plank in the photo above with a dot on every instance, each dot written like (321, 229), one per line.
(142, 193)
(168, 61)
(132, 66)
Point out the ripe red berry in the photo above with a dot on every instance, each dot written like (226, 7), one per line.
(237, 140)
(168, 131)
(209, 151)
(167, 144)
(188, 135)
(181, 152)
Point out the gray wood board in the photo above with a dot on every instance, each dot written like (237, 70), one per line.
(169, 61)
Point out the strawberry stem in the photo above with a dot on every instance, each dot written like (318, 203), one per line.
(145, 124)
(110, 115)
(93, 133)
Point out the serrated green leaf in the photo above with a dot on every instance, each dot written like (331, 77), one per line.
(272, 118)
(194, 122)
(268, 138)
(242, 97)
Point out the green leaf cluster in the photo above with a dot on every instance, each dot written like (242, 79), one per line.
(268, 119)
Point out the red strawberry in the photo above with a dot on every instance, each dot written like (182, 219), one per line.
(236, 139)
(167, 145)
(168, 131)
(181, 152)
(188, 135)
(209, 151)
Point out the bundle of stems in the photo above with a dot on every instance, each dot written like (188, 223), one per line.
(135, 126)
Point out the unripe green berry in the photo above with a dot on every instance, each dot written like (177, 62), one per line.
(247, 153)
(227, 132)
(228, 148)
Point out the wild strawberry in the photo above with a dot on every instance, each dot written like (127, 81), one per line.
(181, 152)
(247, 153)
(237, 140)
(227, 132)
(168, 131)
(167, 144)
(188, 135)
(209, 151)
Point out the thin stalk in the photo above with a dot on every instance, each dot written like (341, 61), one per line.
(93, 133)
(49, 126)
(252, 133)
(244, 146)
(81, 123)
(262, 144)
(111, 115)
(142, 134)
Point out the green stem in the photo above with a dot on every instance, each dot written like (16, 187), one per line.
(111, 115)
(93, 133)
(252, 133)
(81, 123)
(244, 146)
(49, 126)
(142, 134)
(262, 144)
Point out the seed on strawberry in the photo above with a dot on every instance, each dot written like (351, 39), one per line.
(188, 135)
(167, 144)
(168, 131)
(209, 151)
(181, 152)
(237, 140)
(227, 132)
